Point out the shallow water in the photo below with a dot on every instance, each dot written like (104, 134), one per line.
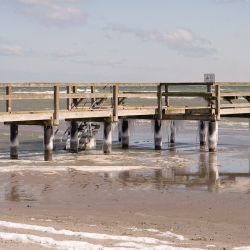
(183, 165)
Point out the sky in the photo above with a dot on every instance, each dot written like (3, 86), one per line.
(124, 40)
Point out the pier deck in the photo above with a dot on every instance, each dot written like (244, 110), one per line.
(48, 103)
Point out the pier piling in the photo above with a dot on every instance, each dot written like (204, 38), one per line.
(172, 131)
(212, 136)
(125, 133)
(107, 138)
(74, 142)
(14, 142)
(48, 143)
(157, 135)
(203, 132)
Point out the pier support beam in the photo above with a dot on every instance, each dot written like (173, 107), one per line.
(14, 142)
(74, 142)
(119, 130)
(48, 143)
(157, 135)
(107, 137)
(203, 133)
(212, 136)
(172, 132)
(125, 133)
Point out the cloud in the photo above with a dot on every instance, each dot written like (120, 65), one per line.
(61, 13)
(14, 50)
(181, 40)
(67, 53)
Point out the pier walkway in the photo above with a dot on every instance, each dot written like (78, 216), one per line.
(47, 104)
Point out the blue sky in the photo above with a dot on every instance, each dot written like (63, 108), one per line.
(124, 40)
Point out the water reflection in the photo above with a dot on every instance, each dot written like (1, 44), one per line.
(205, 174)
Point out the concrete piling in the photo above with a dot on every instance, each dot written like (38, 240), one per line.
(172, 131)
(125, 133)
(48, 143)
(157, 135)
(107, 138)
(203, 132)
(74, 141)
(212, 136)
(119, 130)
(14, 142)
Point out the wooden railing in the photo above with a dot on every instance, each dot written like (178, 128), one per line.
(109, 101)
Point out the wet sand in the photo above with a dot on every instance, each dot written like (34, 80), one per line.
(117, 205)
(199, 195)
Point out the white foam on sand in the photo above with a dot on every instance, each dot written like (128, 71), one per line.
(121, 242)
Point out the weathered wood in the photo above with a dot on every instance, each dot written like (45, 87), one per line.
(56, 105)
(189, 94)
(234, 111)
(69, 100)
(166, 96)
(111, 111)
(217, 103)
(115, 102)
(234, 94)
(26, 96)
(159, 101)
(8, 102)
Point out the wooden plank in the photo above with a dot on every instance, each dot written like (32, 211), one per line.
(186, 83)
(235, 105)
(229, 111)
(233, 94)
(86, 95)
(198, 111)
(190, 117)
(81, 84)
(189, 94)
(138, 94)
(26, 116)
(26, 96)
(233, 83)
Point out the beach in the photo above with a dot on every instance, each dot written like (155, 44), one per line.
(181, 197)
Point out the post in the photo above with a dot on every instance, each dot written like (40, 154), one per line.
(92, 99)
(74, 141)
(75, 92)
(119, 130)
(212, 136)
(56, 105)
(14, 142)
(157, 135)
(166, 97)
(172, 132)
(107, 138)
(8, 102)
(69, 100)
(115, 103)
(48, 143)
(159, 100)
(125, 133)
(203, 133)
(217, 93)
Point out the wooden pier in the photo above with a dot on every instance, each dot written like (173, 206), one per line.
(49, 103)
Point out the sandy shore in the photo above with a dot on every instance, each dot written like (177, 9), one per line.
(206, 220)
(178, 197)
